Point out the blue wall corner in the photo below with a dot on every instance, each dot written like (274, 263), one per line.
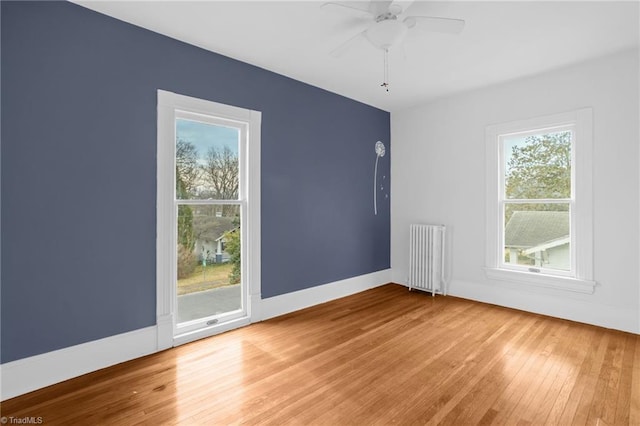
(78, 173)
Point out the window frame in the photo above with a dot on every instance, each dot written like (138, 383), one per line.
(580, 278)
(172, 106)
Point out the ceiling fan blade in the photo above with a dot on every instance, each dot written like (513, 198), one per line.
(435, 24)
(344, 47)
(400, 6)
(359, 9)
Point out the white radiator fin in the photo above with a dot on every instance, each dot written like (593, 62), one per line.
(426, 258)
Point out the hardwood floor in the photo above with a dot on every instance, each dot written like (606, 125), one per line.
(380, 357)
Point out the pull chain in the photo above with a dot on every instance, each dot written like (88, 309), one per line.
(385, 80)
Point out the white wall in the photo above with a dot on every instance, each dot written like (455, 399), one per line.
(438, 177)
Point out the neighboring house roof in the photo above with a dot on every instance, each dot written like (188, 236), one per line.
(211, 228)
(547, 245)
(223, 236)
(528, 229)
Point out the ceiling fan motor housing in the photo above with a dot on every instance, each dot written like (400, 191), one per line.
(386, 33)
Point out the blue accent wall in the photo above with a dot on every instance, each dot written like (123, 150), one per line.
(79, 173)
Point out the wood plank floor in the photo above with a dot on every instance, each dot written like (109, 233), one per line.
(384, 356)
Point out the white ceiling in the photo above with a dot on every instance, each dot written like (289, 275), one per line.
(501, 41)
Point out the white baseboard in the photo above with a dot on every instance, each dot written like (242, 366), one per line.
(290, 302)
(29, 374)
(36, 372)
(559, 307)
(164, 329)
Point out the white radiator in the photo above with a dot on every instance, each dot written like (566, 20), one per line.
(426, 258)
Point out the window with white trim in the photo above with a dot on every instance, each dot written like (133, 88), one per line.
(208, 218)
(539, 201)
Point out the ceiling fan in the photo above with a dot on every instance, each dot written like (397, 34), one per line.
(387, 25)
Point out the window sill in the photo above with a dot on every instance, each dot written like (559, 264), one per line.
(574, 285)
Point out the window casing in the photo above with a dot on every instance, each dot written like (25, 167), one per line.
(173, 107)
(541, 235)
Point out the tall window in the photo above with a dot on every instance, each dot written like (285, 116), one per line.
(536, 200)
(539, 201)
(208, 217)
(210, 204)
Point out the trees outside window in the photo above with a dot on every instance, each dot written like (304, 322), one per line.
(207, 169)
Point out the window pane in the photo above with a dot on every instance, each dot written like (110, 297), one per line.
(206, 161)
(537, 235)
(208, 253)
(538, 166)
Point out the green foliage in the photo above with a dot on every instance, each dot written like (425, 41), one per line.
(186, 175)
(232, 246)
(186, 234)
(541, 168)
(538, 169)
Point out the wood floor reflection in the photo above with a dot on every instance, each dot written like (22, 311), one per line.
(380, 357)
